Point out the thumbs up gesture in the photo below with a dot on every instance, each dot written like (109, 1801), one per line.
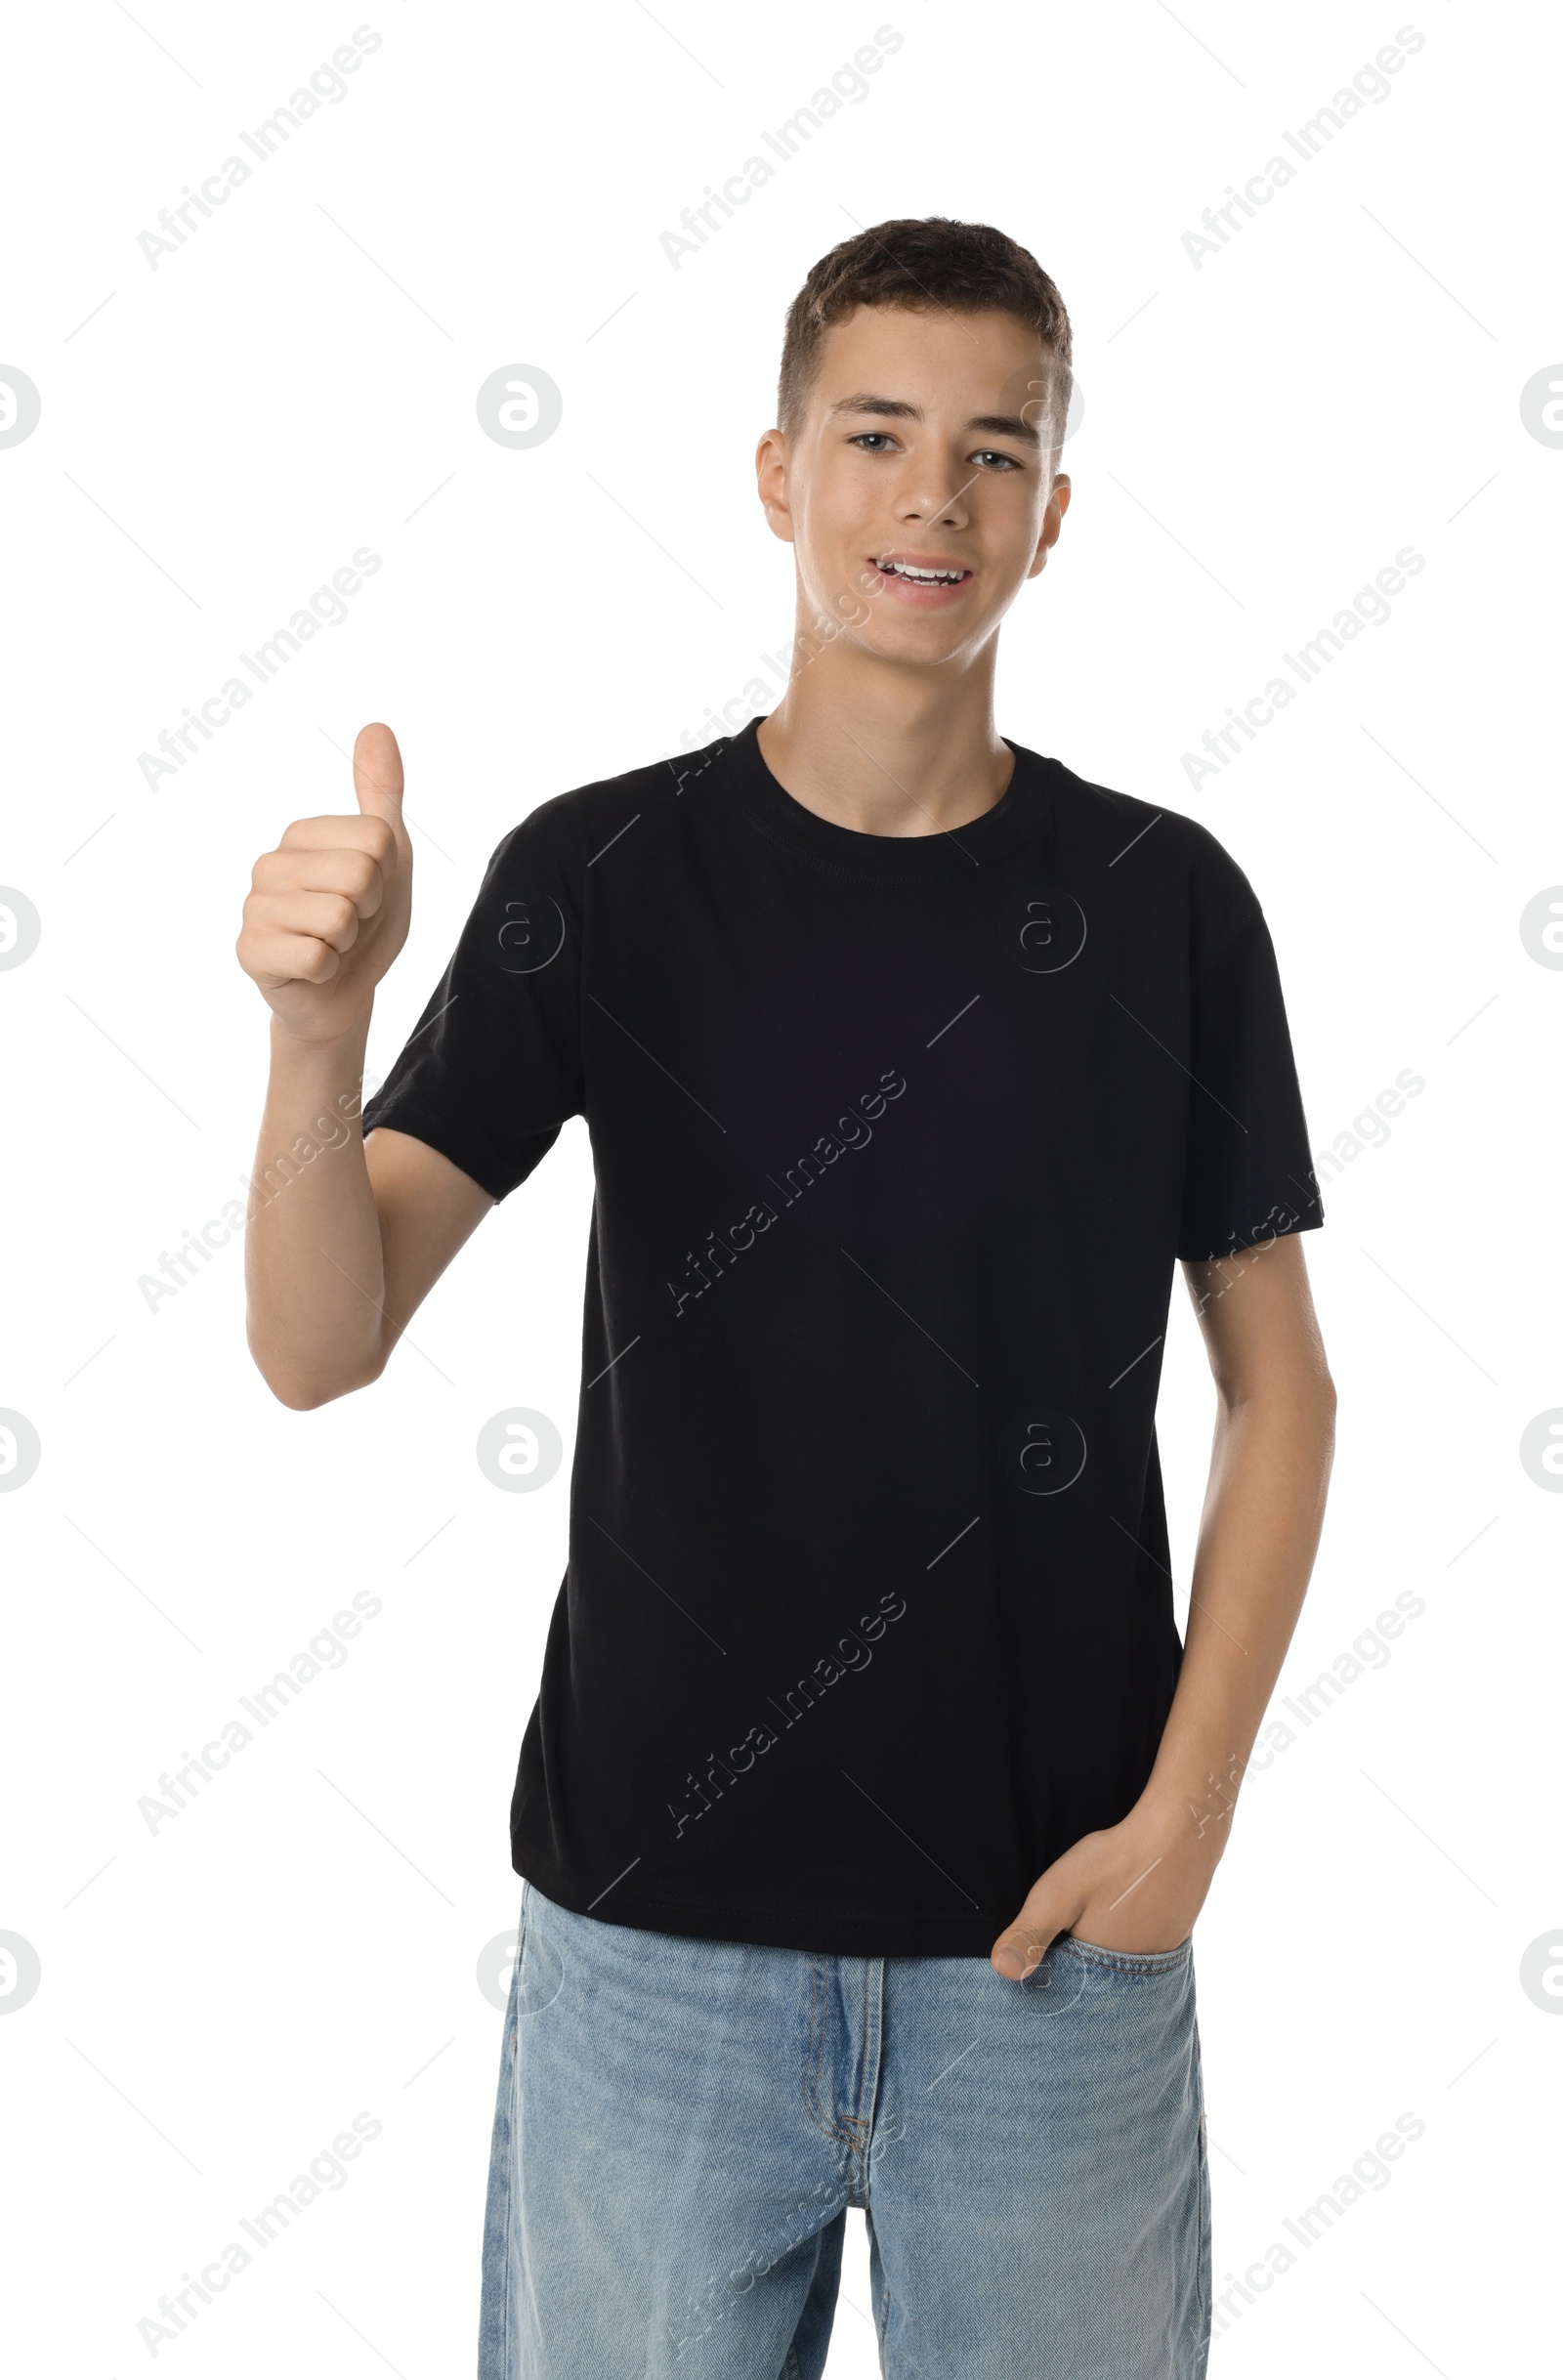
(328, 909)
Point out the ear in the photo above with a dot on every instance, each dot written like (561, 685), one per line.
(1052, 522)
(771, 460)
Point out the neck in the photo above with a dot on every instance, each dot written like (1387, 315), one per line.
(884, 748)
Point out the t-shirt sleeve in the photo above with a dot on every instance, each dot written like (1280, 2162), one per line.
(493, 1068)
(1247, 1172)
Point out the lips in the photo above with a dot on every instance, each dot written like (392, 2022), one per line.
(922, 582)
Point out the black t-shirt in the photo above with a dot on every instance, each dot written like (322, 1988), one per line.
(868, 1609)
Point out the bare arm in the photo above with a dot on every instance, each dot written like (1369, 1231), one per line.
(346, 1237)
(1264, 1508)
(1140, 1884)
(350, 1244)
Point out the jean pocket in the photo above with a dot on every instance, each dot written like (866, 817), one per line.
(1132, 1961)
(540, 1958)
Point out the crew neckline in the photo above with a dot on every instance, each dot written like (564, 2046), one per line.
(888, 858)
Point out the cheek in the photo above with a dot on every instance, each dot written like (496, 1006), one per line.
(846, 507)
(1012, 515)
(837, 529)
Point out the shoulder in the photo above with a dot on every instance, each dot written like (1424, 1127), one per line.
(1152, 852)
(569, 831)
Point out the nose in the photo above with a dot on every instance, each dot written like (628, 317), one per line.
(936, 504)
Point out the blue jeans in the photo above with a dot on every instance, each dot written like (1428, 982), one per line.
(682, 2126)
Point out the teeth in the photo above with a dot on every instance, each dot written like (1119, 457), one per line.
(907, 570)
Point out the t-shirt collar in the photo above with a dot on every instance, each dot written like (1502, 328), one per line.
(887, 858)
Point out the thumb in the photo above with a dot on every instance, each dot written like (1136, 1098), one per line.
(377, 778)
(1048, 1911)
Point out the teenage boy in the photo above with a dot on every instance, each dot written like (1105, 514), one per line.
(871, 1795)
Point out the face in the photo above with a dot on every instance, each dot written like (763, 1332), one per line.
(916, 490)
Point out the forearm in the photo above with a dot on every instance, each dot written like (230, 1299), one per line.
(313, 1261)
(1260, 1532)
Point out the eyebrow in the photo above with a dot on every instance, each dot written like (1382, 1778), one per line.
(896, 409)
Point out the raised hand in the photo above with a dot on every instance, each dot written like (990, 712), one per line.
(328, 910)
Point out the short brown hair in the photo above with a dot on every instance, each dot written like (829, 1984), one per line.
(924, 262)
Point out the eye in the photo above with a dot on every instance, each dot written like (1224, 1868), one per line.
(873, 442)
(990, 457)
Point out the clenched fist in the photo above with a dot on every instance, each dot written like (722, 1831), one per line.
(328, 909)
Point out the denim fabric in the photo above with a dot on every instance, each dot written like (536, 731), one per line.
(682, 2125)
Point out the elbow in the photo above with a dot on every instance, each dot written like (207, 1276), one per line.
(1327, 1401)
(306, 1396)
(1311, 1423)
(299, 1396)
(305, 1391)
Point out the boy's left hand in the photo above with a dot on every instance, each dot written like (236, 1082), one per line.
(1138, 1887)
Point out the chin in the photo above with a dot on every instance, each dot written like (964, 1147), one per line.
(916, 651)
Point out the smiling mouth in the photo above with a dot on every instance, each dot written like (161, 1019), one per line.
(915, 577)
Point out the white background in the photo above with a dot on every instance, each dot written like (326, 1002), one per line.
(1261, 434)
